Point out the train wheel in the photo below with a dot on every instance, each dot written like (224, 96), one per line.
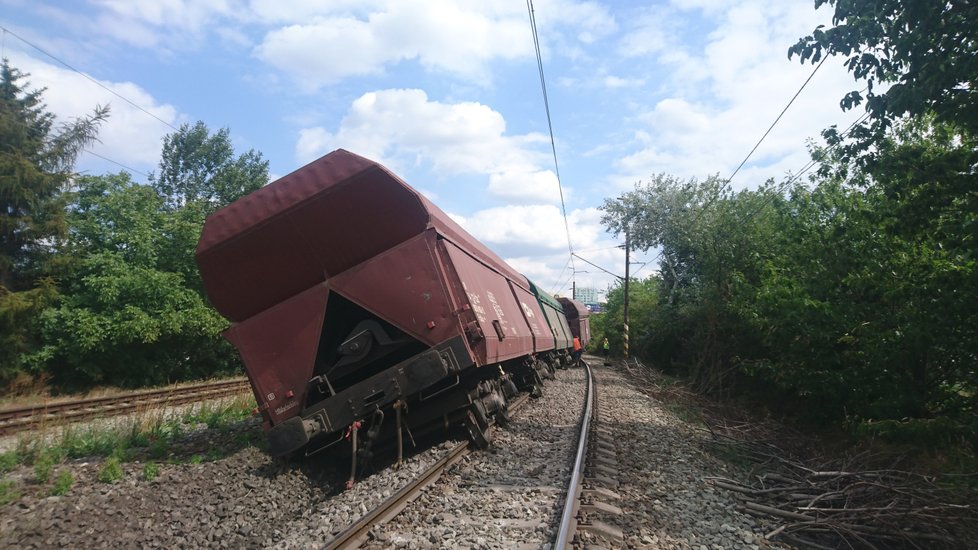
(479, 436)
(502, 418)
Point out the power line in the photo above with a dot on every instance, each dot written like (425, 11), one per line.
(562, 271)
(793, 98)
(97, 83)
(550, 126)
(93, 153)
(784, 185)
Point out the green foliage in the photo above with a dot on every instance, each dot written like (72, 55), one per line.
(196, 459)
(62, 483)
(926, 53)
(151, 471)
(111, 470)
(43, 467)
(8, 492)
(851, 300)
(940, 432)
(198, 167)
(35, 167)
(713, 243)
(8, 461)
(19, 314)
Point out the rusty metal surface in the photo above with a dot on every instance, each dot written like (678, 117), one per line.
(577, 317)
(491, 298)
(312, 224)
(405, 287)
(278, 347)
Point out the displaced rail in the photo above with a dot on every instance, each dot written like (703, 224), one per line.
(354, 535)
(17, 419)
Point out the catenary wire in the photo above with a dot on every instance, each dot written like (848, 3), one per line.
(781, 187)
(93, 153)
(96, 82)
(550, 127)
(773, 124)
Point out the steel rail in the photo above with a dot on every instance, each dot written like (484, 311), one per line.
(568, 524)
(354, 535)
(15, 419)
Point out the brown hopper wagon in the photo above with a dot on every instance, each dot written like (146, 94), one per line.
(352, 299)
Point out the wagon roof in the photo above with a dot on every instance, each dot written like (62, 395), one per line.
(322, 219)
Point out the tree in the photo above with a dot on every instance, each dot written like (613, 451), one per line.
(197, 167)
(35, 167)
(126, 315)
(712, 243)
(925, 54)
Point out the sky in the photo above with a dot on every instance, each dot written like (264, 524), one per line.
(447, 95)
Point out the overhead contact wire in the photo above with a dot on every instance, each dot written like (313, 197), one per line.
(96, 82)
(550, 126)
(773, 124)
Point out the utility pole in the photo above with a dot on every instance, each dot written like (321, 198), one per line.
(627, 263)
(574, 289)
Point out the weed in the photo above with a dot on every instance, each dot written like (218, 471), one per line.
(196, 459)
(111, 470)
(688, 413)
(42, 468)
(159, 448)
(150, 471)
(8, 492)
(62, 483)
(8, 461)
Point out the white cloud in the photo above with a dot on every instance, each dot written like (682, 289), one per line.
(441, 36)
(129, 136)
(325, 43)
(163, 24)
(402, 128)
(612, 81)
(722, 96)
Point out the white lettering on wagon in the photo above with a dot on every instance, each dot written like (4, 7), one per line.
(286, 407)
(480, 312)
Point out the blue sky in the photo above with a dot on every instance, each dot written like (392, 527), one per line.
(447, 94)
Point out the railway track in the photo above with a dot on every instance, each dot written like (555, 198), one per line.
(16, 419)
(587, 493)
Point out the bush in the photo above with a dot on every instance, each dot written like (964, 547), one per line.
(62, 483)
(8, 492)
(111, 471)
(151, 471)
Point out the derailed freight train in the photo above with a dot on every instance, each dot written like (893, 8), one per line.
(352, 299)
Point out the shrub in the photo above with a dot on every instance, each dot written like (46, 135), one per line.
(62, 483)
(150, 471)
(111, 471)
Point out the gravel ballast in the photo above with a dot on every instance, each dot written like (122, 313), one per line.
(508, 496)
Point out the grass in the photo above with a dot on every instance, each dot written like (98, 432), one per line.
(43, 467)
(8, 492)
(151, 471)
(111, 471)
(62, 483)
(148, 433)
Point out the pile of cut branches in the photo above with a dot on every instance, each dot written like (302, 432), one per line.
(848, 503)
(864, 500)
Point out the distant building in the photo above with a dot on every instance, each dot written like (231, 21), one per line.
(587, 295)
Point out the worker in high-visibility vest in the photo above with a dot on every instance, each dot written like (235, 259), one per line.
(606, 348)
(578, 351)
